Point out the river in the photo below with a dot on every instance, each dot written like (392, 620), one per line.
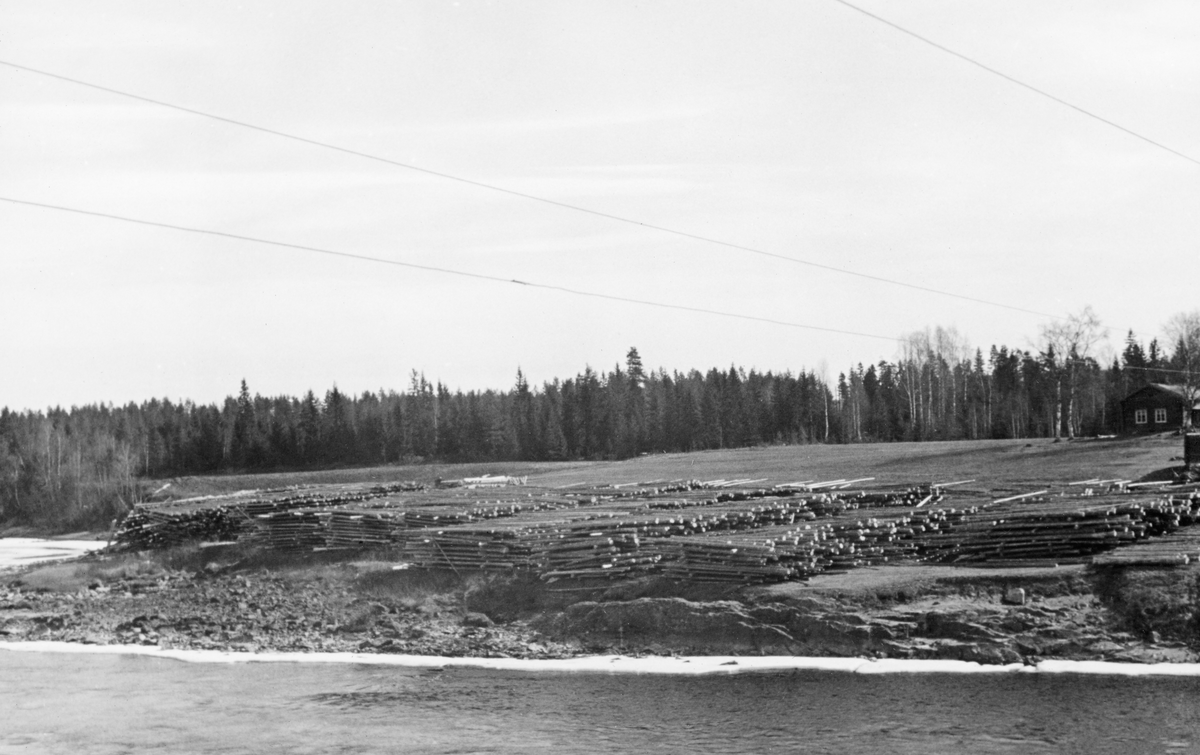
(53, 702)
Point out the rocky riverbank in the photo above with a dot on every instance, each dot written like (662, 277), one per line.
(232, 599)
(926, 612)
(322, 607)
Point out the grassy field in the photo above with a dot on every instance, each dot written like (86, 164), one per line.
(995, 465)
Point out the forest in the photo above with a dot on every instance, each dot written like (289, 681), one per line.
(84, 466)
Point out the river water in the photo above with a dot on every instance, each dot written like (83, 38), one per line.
(93, 703)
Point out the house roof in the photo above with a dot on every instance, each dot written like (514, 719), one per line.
(1178, 391)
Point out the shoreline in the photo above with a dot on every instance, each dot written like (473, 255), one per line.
(20, 552)
(245, 602)
(620, 664)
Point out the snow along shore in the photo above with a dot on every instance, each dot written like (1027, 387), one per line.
(25, 551)
(678, 665)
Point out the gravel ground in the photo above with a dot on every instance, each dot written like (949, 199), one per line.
(329, 608)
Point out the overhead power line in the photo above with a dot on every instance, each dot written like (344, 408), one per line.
(445, 270)
(1018, 82)
(524, 195)
(1158, 369)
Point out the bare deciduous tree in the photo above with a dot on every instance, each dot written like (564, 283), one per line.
(1183, 329)
(1068, 344)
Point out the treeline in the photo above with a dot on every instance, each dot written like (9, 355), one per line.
(80, 466)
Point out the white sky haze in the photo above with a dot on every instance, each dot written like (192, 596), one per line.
(804, 129)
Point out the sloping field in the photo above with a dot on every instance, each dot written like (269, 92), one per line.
(749, 516)
(995, 464)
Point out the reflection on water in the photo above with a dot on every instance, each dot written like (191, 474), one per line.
(110, 704)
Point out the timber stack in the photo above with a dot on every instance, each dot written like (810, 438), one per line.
(739, 530)
(1062, 530)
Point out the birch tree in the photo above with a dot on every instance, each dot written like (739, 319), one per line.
(1184, 330)
(1068, 345)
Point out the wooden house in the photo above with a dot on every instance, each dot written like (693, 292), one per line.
(1157, 408)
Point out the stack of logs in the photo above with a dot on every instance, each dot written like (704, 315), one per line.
(836, 541)
(719, 530)
(746, 536)
(1058, 531)
(228, 517)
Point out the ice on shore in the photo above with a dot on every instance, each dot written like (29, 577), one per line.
(678, 665)
(23, 551)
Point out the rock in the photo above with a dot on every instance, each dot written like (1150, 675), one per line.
(1030, 645)
(475, 619)
(374, 644)
(726, 625)
(1015, 623)
(955, 627)
(49, 621)
(1008, 655)
(1014, 597)
(1104, 647)
(994, 655)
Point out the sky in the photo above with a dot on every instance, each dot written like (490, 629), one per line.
(799, 128)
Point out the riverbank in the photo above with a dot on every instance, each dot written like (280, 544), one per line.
(235, 599)
(620, 664)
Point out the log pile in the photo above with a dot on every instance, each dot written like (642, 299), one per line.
(740, 530)
(598, 540)
(1173, 541)
(754, 539)
(153, 528)
(359, 528)
(297, 529)
(377, 523)
(467, 547)
(584, 551)
(1178, 548)
(763, 556)
(833, 541)
(228, 517)
(370, 510)
(920, 495)
(1057, 531)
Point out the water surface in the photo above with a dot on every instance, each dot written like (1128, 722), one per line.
(54, 703)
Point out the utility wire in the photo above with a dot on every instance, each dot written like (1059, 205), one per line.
(1018, 82)
(478, 276)
(448, 271)
(523, 195)
(1158, 369)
